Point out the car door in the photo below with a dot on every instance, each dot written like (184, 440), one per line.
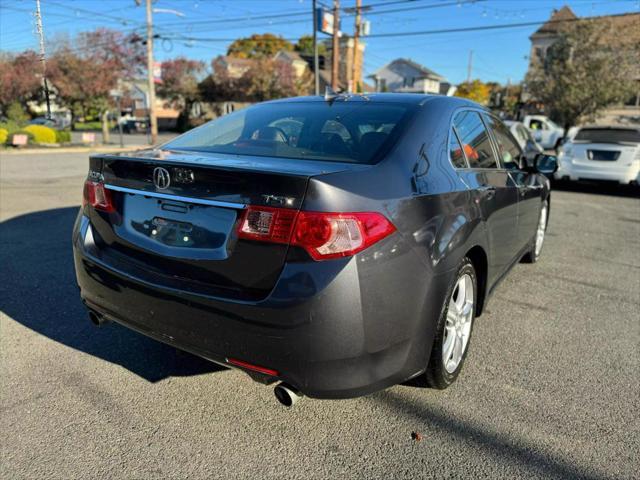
(529, 188)
(496, 193)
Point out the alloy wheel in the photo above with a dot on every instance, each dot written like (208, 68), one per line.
(457, 328)
(542, 227)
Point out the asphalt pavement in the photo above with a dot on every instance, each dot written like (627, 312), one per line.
(551, 387)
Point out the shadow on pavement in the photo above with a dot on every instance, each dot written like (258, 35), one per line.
(597, 188)
(38, 289)
(516, 451)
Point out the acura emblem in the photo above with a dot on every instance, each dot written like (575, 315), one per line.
(161, 178)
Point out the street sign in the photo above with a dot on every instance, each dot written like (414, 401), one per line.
(157, 72)
(20, 140)
(325, 21)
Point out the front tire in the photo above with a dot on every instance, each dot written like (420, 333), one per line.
(453, 331)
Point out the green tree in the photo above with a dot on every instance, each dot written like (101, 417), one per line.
(258, 46)
(16, 113)
(304, 46)
(476, 91)
(582, 73)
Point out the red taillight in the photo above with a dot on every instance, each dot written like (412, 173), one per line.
(332, 235)
(323, 235)
(267, 224)
(97, 196)
(250, 366)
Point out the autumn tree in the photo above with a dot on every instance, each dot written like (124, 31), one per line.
(268, 79)
(179, 86)
(85, 73)
(258, 46)
(476, 90)
(263, 79)
(222, 85)
(20, 78)
(582, 73)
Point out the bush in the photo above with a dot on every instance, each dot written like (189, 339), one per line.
(16, 113)
(10, 126)
(87, 126)
(63, 136)
(41, 134)
(20, 132)
(3, 136)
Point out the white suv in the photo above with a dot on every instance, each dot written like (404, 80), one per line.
(601, 153)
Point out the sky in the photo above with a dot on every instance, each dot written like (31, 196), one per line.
(201, 29)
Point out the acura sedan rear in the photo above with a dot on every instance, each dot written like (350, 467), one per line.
(340, 246)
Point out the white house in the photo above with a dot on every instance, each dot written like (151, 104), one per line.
(406, 76)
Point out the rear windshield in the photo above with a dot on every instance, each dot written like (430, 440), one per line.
(355, 132)
(608, 135)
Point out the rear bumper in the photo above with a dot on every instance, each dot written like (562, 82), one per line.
(334, 329)
(575, 172)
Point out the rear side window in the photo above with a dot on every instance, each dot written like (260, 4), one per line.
(455, 151)
(608, 135)
(474, 139)
(507, 147)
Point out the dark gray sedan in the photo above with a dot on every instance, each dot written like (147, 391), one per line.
(337, 246)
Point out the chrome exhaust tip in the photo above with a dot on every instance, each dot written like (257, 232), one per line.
(286, 394)
(97, 319)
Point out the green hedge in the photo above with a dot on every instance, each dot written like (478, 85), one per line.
(10, 126)
(90, 126)
(63, 136)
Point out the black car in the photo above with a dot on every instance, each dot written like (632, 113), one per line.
(338, 246)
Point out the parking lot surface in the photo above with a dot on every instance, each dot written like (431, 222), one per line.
(550, 389)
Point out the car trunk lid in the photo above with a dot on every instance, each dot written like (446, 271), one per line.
(176, 217)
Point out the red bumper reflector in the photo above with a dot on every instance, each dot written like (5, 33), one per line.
(250, 366)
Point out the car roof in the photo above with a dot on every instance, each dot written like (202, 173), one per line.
(402, 98)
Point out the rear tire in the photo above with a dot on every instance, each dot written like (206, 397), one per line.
(453, 331)
(537, 242)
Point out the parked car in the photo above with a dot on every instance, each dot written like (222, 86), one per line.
(523, 137)
(545, 132)
(601, 153)
(58, 120)
(47, 122)
(339, 254)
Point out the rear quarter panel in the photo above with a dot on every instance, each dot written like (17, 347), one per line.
(402, 280)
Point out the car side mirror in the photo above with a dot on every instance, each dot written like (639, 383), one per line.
(545, 164)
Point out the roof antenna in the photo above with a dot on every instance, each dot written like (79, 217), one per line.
(329, 94)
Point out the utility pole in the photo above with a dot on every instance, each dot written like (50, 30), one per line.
(42, 57)
(335, 60)
(153, 121)
(356, 52)
(469, 66)
(316, 63)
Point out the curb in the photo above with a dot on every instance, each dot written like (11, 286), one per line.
(40, 151)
